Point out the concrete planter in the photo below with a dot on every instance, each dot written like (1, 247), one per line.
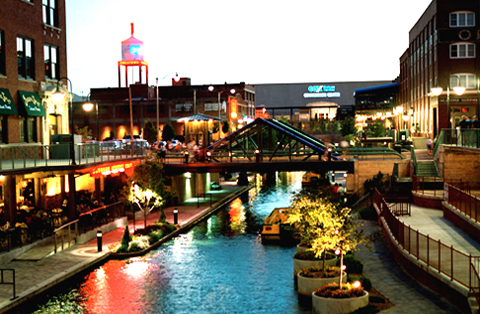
(322, 305)
(302, 248)
(301, 264)
(307, 285)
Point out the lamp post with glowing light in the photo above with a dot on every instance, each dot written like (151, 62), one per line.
(158, 119)
(219, 92)
(57, 97)
(88, 106)
(459, 90)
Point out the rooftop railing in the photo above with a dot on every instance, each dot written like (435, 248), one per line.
(38, 155)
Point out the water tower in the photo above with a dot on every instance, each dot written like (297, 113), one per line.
(132, 56)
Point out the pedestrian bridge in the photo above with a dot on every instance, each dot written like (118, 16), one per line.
(267, 145)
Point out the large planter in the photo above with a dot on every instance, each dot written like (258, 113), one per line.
(307, 285)
(302, 248)
(301, 264)
(322, 305)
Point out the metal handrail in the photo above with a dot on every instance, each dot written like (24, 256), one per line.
(412, 240)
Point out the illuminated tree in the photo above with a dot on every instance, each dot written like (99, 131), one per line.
(148, 189)
(325, 225)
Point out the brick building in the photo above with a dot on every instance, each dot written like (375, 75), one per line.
(443, 53)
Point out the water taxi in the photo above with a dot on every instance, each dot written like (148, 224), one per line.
(277, 230)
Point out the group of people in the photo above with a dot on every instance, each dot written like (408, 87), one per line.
(338, 188)
(465, 124)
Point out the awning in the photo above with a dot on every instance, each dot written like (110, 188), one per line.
(7, 106)
(32, 105)
(198, 117)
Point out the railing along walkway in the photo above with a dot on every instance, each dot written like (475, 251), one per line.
(431, 238)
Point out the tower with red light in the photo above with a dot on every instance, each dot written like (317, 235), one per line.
(132, 56)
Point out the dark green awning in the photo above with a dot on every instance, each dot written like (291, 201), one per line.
(32, 104)
(7, 106)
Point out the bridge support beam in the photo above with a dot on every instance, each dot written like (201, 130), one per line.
(269, 178)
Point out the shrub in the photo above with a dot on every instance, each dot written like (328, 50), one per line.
(333, 290)
(126, 238)
(354, 265)
(134, 247)
(317, 272)
(366, 283)
(122, 249)
(154, 237)
(368, 213)
(309, 255)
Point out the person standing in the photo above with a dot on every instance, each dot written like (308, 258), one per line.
(463, 124)
(475, 123)
(430, 146)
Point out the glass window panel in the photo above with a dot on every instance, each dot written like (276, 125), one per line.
(462, 53)
(470, 19)
(471, 51)
(461, 19)
(453, 20)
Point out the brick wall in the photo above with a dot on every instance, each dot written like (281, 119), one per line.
(462, 163)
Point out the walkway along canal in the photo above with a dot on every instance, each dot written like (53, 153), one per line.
(220, 266)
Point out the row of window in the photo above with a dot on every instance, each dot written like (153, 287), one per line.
(26, 60)
(461, 19)
(49, 12)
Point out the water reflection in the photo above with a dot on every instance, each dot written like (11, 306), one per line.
(219, 266)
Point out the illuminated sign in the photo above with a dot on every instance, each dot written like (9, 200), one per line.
(233, 103)
(110, 169)
(321, 91)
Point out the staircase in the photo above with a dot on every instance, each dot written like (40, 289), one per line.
(427, 169)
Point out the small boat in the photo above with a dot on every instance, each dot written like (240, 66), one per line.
(276, 229)
(310, 179)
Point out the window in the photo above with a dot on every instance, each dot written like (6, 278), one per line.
(462, 50)
(2, 53)
(464, 79)
(28, 129)
(461, 19)
(50, 13)
(31, 129)
(25, 58)
(3, 129)
(21, 124)
(50, 56)
(211, 106)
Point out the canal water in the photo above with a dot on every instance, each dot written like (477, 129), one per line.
(219, 266)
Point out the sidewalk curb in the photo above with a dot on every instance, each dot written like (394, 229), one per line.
(186, 226)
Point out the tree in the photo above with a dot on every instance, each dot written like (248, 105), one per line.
(325, 225)
(226, 127)
(149, 132)
(85, 132)
(148, 189)
(168, 132)
(376, 129)
(347, 126)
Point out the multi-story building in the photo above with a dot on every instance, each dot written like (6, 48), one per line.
(442, 53)
(32, 60)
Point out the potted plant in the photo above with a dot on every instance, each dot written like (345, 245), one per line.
(335, 299)
(308, 259)
(311, 212)
(311, 278)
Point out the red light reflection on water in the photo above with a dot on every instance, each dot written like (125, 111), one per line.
(116, 287)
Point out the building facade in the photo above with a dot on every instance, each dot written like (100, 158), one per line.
(32, 60)
(310, 101)
(232, 102)
(442, 53)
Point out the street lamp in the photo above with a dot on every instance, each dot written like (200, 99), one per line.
(458, 89)
(88, 106)
(219, 92)
(57, 97)
(158, 119)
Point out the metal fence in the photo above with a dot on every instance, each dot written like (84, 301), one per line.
(435, 186)
(445, 259)
(457, 137)
(39, 155)
(463, 201)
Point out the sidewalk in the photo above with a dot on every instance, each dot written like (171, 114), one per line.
(37, 269)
